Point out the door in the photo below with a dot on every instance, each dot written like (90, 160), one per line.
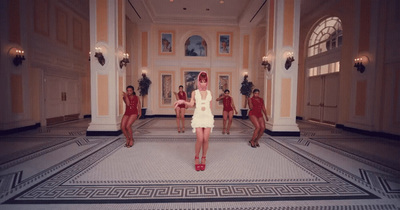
(61, 99)
(323, 94)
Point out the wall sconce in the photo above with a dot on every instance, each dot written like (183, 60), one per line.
(19, 57)
(144, 72)
(124, 61)
(99, 56)
(265, 63)
(359, 65)
(289, 60)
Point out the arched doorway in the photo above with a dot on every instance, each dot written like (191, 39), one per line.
(322, 71)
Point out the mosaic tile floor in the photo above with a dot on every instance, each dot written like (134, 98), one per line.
(325, 168)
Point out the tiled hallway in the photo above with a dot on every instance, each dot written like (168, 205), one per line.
(58, 167)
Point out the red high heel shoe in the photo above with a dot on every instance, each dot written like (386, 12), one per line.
(203, 166)
(197, 166)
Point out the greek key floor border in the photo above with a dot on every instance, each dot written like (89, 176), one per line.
(53, 190)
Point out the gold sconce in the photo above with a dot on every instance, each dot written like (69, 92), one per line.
(289, 60)
(265, 63)
(19, 57)
(358, 64)
(124, 61)
(99, 56)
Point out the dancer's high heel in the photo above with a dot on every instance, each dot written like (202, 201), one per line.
(197, 166)
(203, 166)
(252, 144)
(130, 143)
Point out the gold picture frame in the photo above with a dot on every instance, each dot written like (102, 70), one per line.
(166, 89)
(189, 79)
(225, 43)
(166, 45)
(223, 82)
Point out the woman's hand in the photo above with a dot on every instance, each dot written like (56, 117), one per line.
(123, 94)
(179, 102)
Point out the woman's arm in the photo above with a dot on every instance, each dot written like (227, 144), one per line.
(221, 97)
(233, 106)
(139, 107)
(192, 100)
(265, 112)
(189, 104)
(125, 98)
(249, 102)
(176, 95)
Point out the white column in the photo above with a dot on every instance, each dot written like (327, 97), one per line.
(281, 83)
(107, 38)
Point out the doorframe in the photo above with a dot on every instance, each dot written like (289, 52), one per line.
(325, 58)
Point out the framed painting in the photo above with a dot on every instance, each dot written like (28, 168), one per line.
(224, 44)
(166, 79)
(189, 78)
(224, 81)
(195, 46)
(166, 43)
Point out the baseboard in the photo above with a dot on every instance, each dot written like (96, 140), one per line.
(16, 130)
(103, 133)
(369, 133)
(282, 133)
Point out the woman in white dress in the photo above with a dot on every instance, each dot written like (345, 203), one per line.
(203, 119)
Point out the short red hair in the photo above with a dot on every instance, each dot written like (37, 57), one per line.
(203, 76)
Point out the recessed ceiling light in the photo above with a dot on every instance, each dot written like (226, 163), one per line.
(171, 0)
(221, 2)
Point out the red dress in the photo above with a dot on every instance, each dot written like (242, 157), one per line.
(182, 96)
(258, 104)
(132, 108)
(227, 101)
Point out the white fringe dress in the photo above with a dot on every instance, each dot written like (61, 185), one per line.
(202, 119)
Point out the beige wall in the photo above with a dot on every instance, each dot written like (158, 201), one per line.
(176, 62)
(55, 39)
(366, 100)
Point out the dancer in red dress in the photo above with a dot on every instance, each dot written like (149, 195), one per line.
(227, 112)
(257, 109)
(133, 111)
(180, 109)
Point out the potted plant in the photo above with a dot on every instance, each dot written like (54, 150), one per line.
(144, 85)
(245, 90)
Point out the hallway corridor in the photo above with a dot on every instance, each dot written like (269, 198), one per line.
(59, 167)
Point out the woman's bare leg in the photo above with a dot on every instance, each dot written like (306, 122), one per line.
(177, 111)
(183, 118)
(225, 117)
(124, 121)
(206, 136)
(129, 124)
(199, 143)
(230, 117)
(261, 122)
(256, 124)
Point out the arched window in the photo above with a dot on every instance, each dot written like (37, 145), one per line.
(195, 46)
(326, 36)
